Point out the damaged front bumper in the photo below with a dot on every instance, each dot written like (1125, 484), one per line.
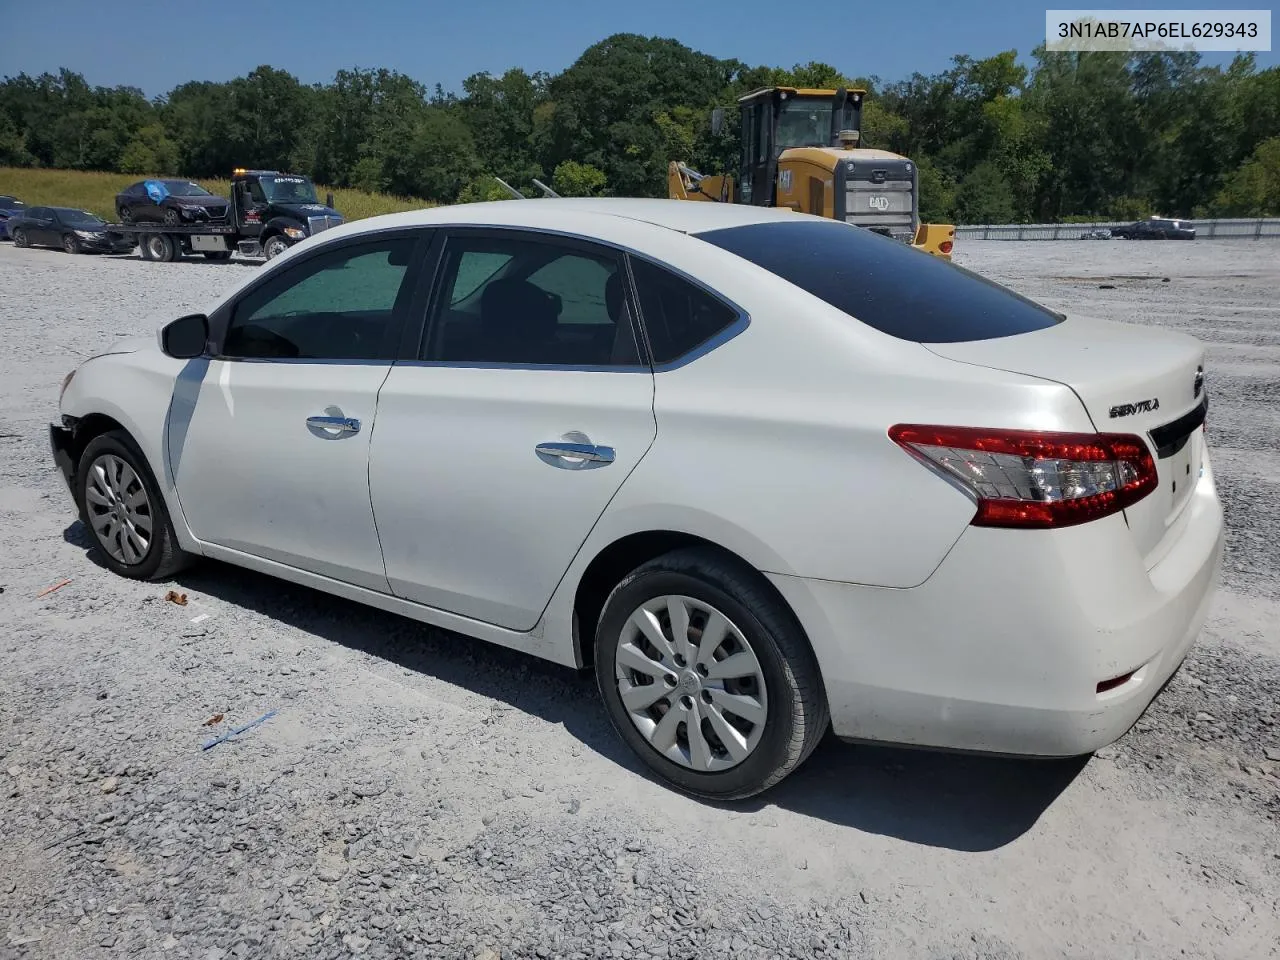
(61, 441)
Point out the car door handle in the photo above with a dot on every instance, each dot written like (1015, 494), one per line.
(341, 424)
(576, 451)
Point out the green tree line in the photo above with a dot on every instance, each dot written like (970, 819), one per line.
(1074, 136)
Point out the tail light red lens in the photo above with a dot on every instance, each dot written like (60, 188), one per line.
(1035, 479)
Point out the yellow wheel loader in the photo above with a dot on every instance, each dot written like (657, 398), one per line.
(800, 149)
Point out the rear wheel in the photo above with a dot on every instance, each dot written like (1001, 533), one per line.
(19, 237)
(707, 675)
(159, 246)
(124, 512)
(71, 243)
(125, 213)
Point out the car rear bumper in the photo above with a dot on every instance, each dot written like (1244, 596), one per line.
(1003, 648)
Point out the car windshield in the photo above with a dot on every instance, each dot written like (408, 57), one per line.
(11, 203)
(288, 189)
(883, 282)
(184, 188)
(80, 218)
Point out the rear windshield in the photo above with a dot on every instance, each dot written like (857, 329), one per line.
(884, 282)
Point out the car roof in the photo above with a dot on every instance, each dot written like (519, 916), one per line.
(684, 216)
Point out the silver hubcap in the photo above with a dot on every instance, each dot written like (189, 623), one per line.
(119, 510)
(691, 683)
(275, 247)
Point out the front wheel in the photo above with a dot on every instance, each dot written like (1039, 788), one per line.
(708, 676)
(275, 246)
(172, 217)
(121, 506)
(71, 243)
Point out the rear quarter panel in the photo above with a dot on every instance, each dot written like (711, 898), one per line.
(774, 444)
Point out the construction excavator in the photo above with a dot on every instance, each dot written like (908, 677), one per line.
(801, 148)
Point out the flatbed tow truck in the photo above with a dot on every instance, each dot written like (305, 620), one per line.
(269, 212)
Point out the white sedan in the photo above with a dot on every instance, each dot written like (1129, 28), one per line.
(768, 474)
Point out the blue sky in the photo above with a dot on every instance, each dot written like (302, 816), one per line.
(157, 44)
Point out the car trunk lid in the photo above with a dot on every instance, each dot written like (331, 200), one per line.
(1130, 379)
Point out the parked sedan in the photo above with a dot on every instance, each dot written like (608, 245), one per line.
(767, 474)
(170, 201)
(1155, 229)
(9, 207)
(75, 231)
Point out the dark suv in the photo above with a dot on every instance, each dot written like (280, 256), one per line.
(172, 202)
(1157, 228)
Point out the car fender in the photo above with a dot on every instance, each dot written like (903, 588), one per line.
(278, 224)
(137, 390)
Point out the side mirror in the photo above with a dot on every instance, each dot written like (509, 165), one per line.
(186, 337)
(717, 121)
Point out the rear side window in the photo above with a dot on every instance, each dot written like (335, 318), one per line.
(884, 283)
(678, 316)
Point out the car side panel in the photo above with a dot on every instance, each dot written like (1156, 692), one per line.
(773, 445)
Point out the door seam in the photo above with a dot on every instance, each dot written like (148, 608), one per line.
(368, 477)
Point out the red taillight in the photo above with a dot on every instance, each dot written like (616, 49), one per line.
(945, 246)
(1031, 478)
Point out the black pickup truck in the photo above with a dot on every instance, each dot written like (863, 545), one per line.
(269, 212)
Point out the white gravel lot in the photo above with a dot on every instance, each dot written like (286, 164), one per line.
(419, 794)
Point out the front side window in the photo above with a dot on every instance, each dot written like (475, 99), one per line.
(884, 283)
(520, 300)
(344, 305)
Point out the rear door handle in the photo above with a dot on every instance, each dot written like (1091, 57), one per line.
(341, 424)
(576, 451)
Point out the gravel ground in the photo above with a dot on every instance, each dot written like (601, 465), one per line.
(417, 794)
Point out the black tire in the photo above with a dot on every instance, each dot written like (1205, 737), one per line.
(71, 243)
(275, 245)
(163, 556)
(19, 237)
(172, 217)
(159, 246)
(125, 214)
(217, 254)
(796, 716)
